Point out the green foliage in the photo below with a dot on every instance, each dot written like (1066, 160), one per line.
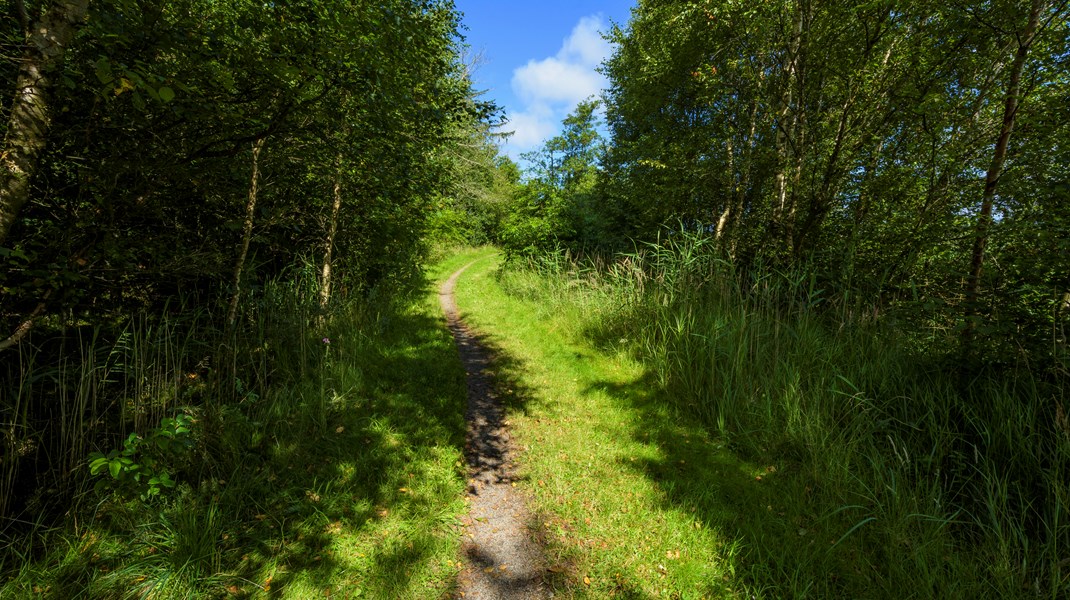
(557, 202)
(145, 464)
(853, 139)
(307, 466)
(133, 243)
(482, 186)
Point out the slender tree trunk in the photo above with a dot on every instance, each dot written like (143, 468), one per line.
(860, 208)
(722, 222)
(744, 184)
(247, 233)
(786, 123)
(995, 168)
(27, 324)
(821, 201)
(328, 249)
(31, 118)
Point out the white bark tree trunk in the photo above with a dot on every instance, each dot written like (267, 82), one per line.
(31, 114)
(247, 233)
(328, 250)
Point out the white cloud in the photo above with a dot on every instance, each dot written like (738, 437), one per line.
(586, 42)
(551, 87)
(554, 81)
(530, 129)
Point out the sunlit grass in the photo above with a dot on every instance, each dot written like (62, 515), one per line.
(819, 460)
(588, 459)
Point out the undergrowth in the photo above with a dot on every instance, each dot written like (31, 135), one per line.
(301, 455)
(927, 480)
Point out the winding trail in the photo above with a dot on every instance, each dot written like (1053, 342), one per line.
(501, 559)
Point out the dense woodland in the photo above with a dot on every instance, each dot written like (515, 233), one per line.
(199, 199)
(909, 151)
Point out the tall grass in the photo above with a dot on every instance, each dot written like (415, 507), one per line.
(70, 388)
(935, 479)
(289, 436)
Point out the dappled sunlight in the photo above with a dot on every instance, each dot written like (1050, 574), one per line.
(762, 509)
(372, 513)
(822, 455)
(349, 482)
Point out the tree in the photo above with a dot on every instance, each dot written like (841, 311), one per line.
(30, 120)
(557, 202)
(843, 137)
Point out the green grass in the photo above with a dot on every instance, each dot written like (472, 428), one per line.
(337, 469)
(781, 457)
(680, 438)
(612, 476)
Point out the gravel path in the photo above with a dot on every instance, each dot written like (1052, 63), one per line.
(501, 560)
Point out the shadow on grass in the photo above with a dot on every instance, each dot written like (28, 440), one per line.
(503, 383)
(346, 486)
(366, 503)
(766, 503)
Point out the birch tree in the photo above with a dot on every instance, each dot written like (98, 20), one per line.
(47, 40)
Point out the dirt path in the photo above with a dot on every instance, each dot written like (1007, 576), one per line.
(501, 559)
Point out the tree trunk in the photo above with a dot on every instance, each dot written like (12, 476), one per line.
(995, 168)
(27, 130)
(247, 234)
(722, 222)
(328, 249)
(787, 120)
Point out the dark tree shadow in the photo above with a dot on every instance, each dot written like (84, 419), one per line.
(764, 500)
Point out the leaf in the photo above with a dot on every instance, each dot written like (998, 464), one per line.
(103, 70)
(166, 94)
(97, 464)
(113, 468)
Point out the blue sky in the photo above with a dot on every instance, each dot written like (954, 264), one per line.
(539, 58)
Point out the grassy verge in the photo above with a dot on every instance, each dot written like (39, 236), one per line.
(615, 484)
(336, 473)
(695, 446)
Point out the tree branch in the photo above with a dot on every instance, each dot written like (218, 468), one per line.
(24, 328)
